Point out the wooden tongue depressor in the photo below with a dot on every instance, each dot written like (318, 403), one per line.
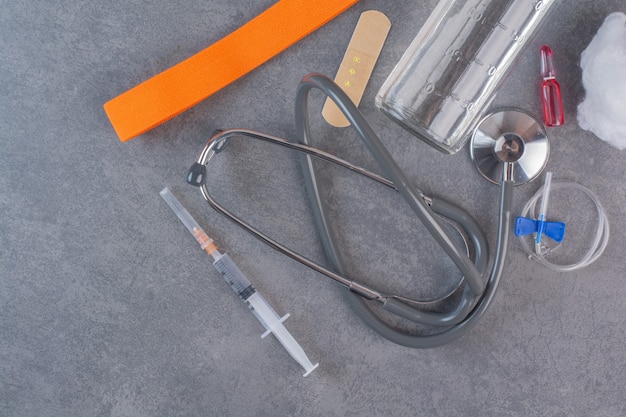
(358, 62)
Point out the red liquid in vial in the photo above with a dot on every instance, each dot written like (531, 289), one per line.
(551, 91)
(552, 104)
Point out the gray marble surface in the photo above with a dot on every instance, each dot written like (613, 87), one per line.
(108, 308)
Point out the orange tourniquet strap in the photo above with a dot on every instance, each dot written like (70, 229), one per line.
(180, 87)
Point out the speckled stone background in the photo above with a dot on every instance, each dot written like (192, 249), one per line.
(108, 307)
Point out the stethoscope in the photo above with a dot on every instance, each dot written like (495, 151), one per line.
(508, 147)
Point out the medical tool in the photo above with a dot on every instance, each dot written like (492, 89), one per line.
(550, 90)
(241, 285)
(598, 241)
(513, 136)
(508, 147)
(554, 230)
(448, 77)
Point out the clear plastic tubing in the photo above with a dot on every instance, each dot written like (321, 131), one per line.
(544, 205)
(598, 242)
(447, 78)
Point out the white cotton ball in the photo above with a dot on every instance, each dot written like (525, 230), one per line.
(603, 111)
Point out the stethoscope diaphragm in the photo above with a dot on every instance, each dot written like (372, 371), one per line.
(511, 136)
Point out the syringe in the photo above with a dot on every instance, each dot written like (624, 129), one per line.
(272, 322)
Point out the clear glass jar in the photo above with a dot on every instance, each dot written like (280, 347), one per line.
(447, 78)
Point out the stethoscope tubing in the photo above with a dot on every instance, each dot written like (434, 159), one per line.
(411, 196)
(476, 296)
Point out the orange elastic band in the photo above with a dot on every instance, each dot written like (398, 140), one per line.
(175, 90)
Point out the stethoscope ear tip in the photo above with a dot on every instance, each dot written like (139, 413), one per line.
(196, 174)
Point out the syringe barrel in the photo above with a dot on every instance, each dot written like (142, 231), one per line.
(233, 275)
(264, 312)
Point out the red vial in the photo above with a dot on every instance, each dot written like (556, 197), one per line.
(550, 90)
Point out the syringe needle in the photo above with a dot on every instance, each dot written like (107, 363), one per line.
(272, 322)
(183, 215)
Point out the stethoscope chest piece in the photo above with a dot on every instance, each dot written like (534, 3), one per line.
(510, 136)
